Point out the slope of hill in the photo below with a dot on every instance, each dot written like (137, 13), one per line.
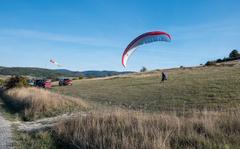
(214, 87)
(51, 73)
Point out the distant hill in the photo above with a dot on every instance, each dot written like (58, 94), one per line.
(54, 73)
(91, 73)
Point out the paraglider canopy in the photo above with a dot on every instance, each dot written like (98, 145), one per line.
(55, 63)
(145, 38)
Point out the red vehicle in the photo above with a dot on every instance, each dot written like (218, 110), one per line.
(65, 82)
(43, 83)
(47, 84)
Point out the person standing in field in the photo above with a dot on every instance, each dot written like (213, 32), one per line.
(164, 76)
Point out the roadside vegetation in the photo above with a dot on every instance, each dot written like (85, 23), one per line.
(16, 82)
(136, 130)
(2, 82)
(34, 103)
(40, 140)
(234, 55)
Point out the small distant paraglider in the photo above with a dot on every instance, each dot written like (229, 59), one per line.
(55, 63)
(145, 38)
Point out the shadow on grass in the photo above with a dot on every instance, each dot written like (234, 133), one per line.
(8, 105)
(6, 109)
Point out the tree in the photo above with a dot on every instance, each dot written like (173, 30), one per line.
(219, 60)
(234, 54)
(144, 69)
(17, 81)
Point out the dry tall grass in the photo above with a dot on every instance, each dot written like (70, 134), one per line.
(34, 103)
(123, 130)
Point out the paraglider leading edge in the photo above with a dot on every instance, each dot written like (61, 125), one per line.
(145, 38)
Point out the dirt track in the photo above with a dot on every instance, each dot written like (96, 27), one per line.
(5, 134)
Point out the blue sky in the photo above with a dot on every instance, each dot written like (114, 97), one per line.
(92, 34)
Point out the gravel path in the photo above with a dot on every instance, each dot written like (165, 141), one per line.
(5, 134)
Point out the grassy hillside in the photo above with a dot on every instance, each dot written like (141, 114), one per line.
(213, 87)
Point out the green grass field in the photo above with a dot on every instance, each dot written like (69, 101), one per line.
(215, 87)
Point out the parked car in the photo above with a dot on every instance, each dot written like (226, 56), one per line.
(43, 83)
(47, 84)
(65, 82)
(31, 82)
(38, 83)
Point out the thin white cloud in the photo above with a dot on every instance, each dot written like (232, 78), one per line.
(33, 34)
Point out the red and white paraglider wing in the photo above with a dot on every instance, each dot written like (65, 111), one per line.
(127, 55)
(54, 62)
(145, 38)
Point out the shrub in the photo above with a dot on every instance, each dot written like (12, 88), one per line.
(210, 63)
(234, 54)
(2, 82)
(80, 77)
(225, 59)
(144, 69)
(219, 60)
(16, 82)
